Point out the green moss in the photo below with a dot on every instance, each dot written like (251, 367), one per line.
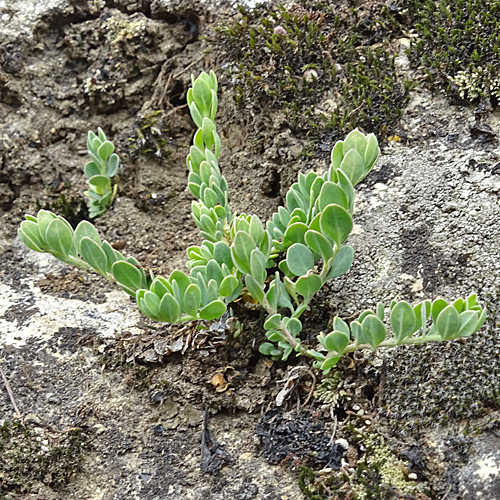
(380, 472)
(151, 137)
(31, 454)
(330, 390)
(458, 43)
(118, 28)
(316, 63)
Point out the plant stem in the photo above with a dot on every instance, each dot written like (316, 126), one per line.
(290, 338)
(393, 343)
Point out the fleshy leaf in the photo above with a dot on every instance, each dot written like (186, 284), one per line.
(299, 259)
(448, 322)
(342, 262)
(373, 330)
(127, 276)
(94, 255)
(336, 223)
(169, 309)
(336, 341)
(192, 299)
(213, 310)
(320, 244)
(403, 320)
(307, 286)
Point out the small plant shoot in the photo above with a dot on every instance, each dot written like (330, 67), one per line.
(99, 172)
(282, 264)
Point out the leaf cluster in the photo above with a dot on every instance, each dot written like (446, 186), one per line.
(82, 247)
(282, 264)
(99, 171)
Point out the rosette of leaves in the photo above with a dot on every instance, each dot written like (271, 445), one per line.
(282, 264)
(99, 172)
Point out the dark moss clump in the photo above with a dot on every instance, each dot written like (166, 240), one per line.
(432, 384)
(73, 209)
(320, 66)
(151, 137)
(31, 454)
(377, 473)
(458, 43)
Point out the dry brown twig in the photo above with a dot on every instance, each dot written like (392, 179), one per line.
(10, 393)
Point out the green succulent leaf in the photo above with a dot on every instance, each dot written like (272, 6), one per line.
(332, 193)
(105, 150)
(228, 285)
(255, 289)
(342, 262)
(294, 326)
(403, 320)
(373, 330)
(353, 166)
(192, 299)
(329, 363)
(100, 184)
(448, 322)
(437, 306)
(201, 95)
(152, 302)
(319, 244)
(294, 234)
(258, 266)
(266, 348)
(336, 341)
(127, 276)
(299, 259)
(112, 166)
(241, 251)
(91, 169)
(340, 325)
(468, 323)
(355, 140)
(337, 155)
(336, 223)
(372, 152)
(273, 322)
(30, 236)
(422, 313)
(169, 309)
(213, 310)
(44, 218)
(160, 286)
(94, 255)
(307, 286)
(357, 333)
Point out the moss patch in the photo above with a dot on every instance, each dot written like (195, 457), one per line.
(378, 473)
(325, 65)
(458, 43)
(32, 454)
